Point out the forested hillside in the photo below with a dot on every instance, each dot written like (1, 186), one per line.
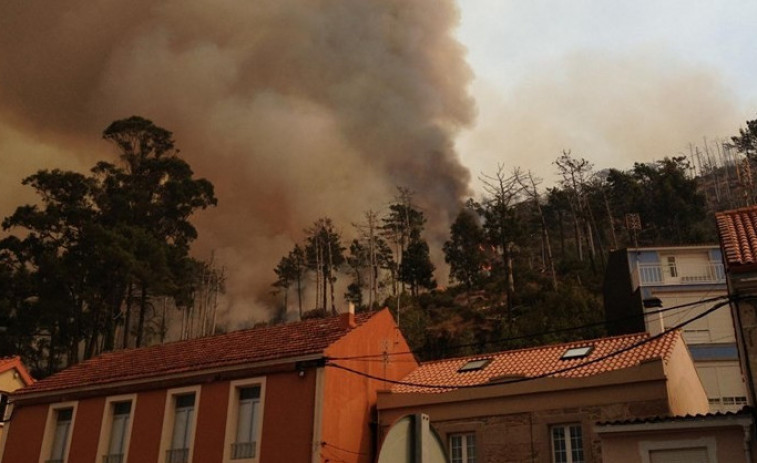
(94, 265)
(526, 262)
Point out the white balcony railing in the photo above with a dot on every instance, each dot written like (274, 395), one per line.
(656, 274)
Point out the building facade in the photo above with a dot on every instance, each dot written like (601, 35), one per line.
(13, 376)
(643, 287)
(541, 404)
(252, 396)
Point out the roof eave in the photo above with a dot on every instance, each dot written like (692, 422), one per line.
(156, 381)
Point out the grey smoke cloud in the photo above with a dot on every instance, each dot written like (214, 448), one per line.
(294, 109)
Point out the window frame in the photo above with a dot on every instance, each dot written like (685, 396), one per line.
(48, 439)
(106, 427)
(169, 415)
(232, 418)
(569, 447)
(465, 458)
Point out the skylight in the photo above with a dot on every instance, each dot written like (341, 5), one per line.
(577, 352)
(474, 365)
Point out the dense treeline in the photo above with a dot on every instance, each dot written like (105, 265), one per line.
(526, 263)
(86, 267)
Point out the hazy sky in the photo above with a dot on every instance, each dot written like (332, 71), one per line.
(615, 81)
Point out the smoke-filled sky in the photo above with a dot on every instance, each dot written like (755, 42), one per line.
(298, 109)
(614, 81)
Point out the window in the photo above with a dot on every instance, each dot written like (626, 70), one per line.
(245, 444)
(672, 266)
(61, 431)
(3, 407)
(577, 352)
(567, 444)
(474, 365)
(244, 420)
(183, 419)
(462, 448)
(119, 429)
(179, 424)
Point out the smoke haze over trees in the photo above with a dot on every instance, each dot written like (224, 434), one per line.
(297, 110)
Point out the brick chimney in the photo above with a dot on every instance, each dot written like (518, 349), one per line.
(347, 319)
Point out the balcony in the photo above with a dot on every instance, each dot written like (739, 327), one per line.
(177, 456)
(658, 275)
(242, 450)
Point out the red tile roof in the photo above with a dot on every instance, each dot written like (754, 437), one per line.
(238, 348)
(540, 361)
(700, 417)
(8, 363)
(738, 236)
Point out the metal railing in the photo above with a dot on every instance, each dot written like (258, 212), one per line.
(177, 456)
(656, 274)
(242, 450)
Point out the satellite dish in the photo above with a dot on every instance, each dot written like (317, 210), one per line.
(412, 440)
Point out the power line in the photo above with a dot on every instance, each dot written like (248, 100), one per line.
(534, 335)
(543, 375)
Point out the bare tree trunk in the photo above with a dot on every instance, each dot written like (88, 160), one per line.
(127, 315)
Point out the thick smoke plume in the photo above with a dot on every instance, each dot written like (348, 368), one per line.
(294, 109)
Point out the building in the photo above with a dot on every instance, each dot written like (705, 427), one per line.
(252, 396)
(643, 287)
(13, 376)
(714, 437)
(738, 239)
(541, 404)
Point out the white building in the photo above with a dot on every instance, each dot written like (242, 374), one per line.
(644, 285)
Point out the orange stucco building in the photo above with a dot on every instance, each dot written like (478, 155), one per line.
(299, 392)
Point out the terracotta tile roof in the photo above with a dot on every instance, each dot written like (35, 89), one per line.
(738, 236)
(538, 361)
(237, 348)
(7, 363)
(745, 411)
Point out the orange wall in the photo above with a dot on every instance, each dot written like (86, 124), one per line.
(211, 422)
(86, 432)
(287, 424)
(288, 418)
(350, 399)
(25, 434)
(147, 426)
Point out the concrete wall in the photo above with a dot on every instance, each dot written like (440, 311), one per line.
(727, 443)
(686, 394)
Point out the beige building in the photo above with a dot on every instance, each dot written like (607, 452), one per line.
(13, 376)
(717, 437)
(643, 288)
(541, 404)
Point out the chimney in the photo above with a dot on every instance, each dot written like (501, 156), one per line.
(347, 319)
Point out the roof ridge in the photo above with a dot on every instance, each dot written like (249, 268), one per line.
(360, 318)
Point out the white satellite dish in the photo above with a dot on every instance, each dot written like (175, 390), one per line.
(412, 440)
